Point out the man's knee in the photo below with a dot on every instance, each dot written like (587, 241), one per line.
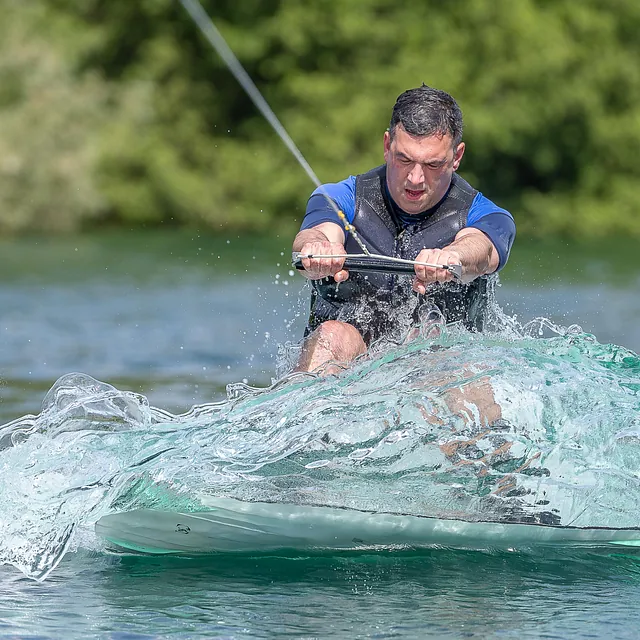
(332, 341)
(341, 338)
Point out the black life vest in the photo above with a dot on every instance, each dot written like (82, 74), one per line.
(379, 228)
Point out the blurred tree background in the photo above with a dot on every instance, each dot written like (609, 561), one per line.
(120, 113)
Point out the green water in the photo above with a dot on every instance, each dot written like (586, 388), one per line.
(178, 316)
(438, 594)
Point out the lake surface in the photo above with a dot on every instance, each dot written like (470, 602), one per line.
(177, 316)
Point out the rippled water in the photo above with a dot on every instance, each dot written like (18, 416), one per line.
(538, 421)
(432, 594)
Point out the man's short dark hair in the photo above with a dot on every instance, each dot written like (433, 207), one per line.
(426, 112)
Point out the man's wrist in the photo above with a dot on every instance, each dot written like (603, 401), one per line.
(476, 252)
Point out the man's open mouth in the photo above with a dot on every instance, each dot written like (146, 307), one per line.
(414, 194)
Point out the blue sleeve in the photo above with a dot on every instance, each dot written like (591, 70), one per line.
(319, 210)
(496, 223)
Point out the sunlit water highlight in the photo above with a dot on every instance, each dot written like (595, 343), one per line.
(405, 430)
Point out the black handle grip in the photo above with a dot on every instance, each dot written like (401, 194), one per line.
(368, 264)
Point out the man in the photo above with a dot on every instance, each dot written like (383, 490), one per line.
(416, 207)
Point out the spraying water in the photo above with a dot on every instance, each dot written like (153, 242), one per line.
(402, 431)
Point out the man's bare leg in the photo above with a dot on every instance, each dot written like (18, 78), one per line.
(474, 401)
(332, 341)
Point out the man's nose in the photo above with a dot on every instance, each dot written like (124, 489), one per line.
(416, 175)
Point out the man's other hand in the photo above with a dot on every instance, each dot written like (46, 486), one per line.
(428, 275)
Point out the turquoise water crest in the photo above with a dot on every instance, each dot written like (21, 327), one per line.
(410, 429)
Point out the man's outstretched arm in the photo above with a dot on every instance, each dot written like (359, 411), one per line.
(478, 255)
(471, 248)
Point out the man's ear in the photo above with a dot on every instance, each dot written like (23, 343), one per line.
(457, 158)
(386, 141)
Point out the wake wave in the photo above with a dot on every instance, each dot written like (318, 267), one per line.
(535, 424)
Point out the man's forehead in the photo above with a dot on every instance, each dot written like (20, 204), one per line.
(419, 147)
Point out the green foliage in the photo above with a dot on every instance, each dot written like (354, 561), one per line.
(49, 120)
(121, 112)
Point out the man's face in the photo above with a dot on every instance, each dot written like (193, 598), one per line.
(419, 170)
